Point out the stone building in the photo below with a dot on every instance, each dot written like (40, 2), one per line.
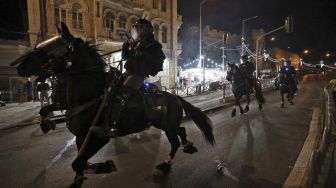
(107, 22)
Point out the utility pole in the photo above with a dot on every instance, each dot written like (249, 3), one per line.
(243, 32)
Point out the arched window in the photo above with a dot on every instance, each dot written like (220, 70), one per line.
(156, 31)
(122, 22)
(77, 16)
(109, 20)
(59, 13)
(164, 34)
(164, 5)
(155, 4)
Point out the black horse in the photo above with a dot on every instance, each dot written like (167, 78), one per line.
(243, 86)
(287, 84)
(90, 90)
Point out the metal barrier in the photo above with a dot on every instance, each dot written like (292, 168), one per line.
(317, 171)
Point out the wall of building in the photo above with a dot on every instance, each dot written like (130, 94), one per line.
(106, 22)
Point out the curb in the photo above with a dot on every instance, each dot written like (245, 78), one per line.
(299, 175)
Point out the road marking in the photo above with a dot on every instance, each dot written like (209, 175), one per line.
(68, 144)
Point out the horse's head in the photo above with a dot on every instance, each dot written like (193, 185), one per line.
(60, 54)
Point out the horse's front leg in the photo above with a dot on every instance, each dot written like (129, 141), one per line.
(248, 100)
(175, 144)
(46, 124)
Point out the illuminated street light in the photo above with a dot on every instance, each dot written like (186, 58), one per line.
(273, 39)
(328, 54)
(306, 52)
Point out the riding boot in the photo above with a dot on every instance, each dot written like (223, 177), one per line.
(98, 138)
(126, 94)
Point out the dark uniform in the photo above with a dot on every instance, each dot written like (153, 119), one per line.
(144, 58)
(288, 74)
(247, 68)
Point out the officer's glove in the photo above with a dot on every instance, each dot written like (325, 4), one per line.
(128, 51)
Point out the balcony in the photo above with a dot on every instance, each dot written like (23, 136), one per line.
(134, 4)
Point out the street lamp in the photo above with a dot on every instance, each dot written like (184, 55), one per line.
(328, 54)
(200, 44)
(272, 39)
(243, 31)
(306, 52)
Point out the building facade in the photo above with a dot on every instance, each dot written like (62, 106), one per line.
(107, 22)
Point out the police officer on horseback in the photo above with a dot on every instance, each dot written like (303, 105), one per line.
(288, 73)
(247, 68)
(144, 57)
(143, 54)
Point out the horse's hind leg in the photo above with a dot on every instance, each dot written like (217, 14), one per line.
(282, 99)
(188, 146)
(175, 144)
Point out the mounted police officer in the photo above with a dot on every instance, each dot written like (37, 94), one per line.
(247, 68)
(144, 57)
(288, 73)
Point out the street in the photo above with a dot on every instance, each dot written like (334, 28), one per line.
(258, 149)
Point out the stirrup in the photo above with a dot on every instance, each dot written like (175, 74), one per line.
(113, 132)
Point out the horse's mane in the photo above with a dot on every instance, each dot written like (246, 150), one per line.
(93, 49)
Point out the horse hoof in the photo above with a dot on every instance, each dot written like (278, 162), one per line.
(78, 181)
(291, 103)
(246, 109)
(260, 107)
(190, 148)
(47, 125)
(241, 110)
(164, 167)
(102, 168)
(79, 165)
(282, 105)
(233, 113)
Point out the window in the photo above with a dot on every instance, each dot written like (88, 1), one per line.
(98, 9)
(164, 5)
(109, 21)
(155, 4)
(77, 16)
(122, 22)
(156, 32)
(60, 16)
(164, 34)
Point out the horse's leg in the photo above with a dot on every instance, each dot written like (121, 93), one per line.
(47, 125)
(188, 147)
(97, 138)
(282, 99)
(175, 144)
(248, 100)
(233, 112)
(291, 96)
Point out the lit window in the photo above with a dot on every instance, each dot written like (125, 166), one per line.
(77, 16)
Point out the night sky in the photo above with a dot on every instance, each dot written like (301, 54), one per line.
(314, 21)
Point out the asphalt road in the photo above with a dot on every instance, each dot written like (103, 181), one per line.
(258, 149)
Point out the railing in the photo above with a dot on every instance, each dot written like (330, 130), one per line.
(313, 167)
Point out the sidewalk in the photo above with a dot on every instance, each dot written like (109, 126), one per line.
(14, 114)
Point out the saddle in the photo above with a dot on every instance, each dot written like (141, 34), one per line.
(137, 111)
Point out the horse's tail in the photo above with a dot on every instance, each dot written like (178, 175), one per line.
(258, 92)
(202, 121)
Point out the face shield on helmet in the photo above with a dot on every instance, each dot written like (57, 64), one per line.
(134, 33)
